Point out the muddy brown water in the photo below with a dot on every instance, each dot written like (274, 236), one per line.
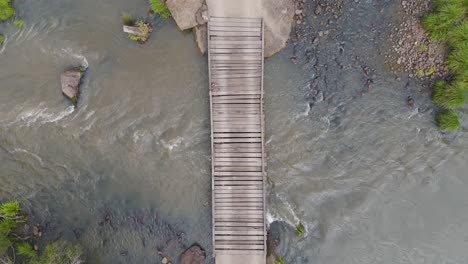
(372, 181)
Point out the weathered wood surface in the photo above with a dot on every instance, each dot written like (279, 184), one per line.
(235, 53)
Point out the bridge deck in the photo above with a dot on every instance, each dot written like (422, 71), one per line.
(235, 57)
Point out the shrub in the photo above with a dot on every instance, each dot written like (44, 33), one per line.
(19, 23)
(6, 10)
(159, 7)
(300, 230)
(1, 39)
(448, 120)
(127, 20)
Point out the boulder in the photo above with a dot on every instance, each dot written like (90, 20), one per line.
(193, 255)
(135, 30)
(278, 17)
(184, 12)
(201, 37)
(71, 84)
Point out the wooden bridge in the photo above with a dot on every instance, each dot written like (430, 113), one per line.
(235, 54)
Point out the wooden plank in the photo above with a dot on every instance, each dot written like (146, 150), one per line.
(255, 42)
(238, 247)
(248, 232)
(234, 38)
(236, 19)
(239, 191)
(229, 57)
(234, 24)
(236, 188)
(236, 50)
(236, 97)
(233, 183)
(236, 75)
(243, 238)
(215, 28)
(236, 135)
(233, 205)
(234, 173)
(234, 92)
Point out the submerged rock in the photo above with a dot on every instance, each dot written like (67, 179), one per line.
(193, 255)
(71, 84)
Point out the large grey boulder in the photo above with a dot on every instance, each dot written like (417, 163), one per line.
(184, 12)
(193, 255)
(278, 17)
(71, 84)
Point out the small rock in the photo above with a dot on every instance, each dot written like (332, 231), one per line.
(318, 97)
(164, 260)
(293, 60)
(193, 255)
(318, 10)
(410, 102)
(298, 12)
(298, 22)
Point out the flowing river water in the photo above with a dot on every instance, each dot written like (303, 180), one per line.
(371, 180)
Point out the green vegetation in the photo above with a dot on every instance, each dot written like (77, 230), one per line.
(159, 7)
(2, 39)
(449, 24)
(448, 120)
(145, 28)
(60, 253)
(300, 230)
(279, 260)
(127, 20)
(18, 23)
(10, 219)
(6, 10)
(12, 245)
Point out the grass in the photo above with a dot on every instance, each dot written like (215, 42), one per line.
(26, 250)
(145, 28)
(12, 245)
(448, 120)
(19, 23)
(127, 20)
(279, 260)
(160, 8)
(2, 39)
(449, 25)
(300, 230)
(6, 10)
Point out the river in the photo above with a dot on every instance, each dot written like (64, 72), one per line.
(372, 181)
